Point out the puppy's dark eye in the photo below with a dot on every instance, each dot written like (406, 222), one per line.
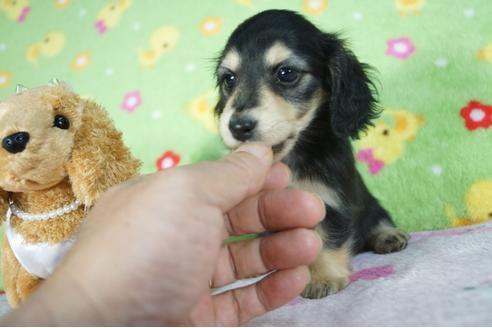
(229, 81)
(287, 75)
(61, 122)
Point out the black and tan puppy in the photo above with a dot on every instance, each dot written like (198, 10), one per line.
(285, 83)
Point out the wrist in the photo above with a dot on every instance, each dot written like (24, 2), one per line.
(59, 301)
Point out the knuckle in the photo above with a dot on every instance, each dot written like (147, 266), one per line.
(179, 178)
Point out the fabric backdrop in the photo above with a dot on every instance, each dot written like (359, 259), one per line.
(150, 63)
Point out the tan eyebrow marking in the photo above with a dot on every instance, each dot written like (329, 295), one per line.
(231, 61)
(277, 54)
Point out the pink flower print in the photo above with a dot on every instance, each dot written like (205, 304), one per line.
(373, 273)
(374, 164)
(100, 26)
(23, 14)
(131, 101)
(400, 48)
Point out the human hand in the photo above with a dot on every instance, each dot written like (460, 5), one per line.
(149, 248)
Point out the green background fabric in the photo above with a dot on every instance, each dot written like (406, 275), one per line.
(432, 59)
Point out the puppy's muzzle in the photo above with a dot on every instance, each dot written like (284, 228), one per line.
(16, 142)
(242, 127)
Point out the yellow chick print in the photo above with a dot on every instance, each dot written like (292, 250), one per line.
(383, 144)
(409, 6)
(201, 109)
(110, 15)
(406, 123)
(15, 10)
(478, 201)
(161, 41)
(485, 53)
(50, 46)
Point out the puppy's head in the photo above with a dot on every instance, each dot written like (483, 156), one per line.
(277, 72)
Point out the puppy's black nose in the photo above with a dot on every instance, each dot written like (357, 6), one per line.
(15, 143)
(242, 127)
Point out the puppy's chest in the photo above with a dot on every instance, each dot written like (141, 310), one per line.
(325, 192)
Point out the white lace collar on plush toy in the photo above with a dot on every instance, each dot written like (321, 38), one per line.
(39, 259)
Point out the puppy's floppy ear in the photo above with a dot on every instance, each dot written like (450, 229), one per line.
(99, 158)
(352, 93)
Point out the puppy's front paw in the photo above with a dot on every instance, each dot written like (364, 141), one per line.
(390, 240)
(320, 289)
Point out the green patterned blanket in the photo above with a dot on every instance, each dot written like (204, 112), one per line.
(150, 63)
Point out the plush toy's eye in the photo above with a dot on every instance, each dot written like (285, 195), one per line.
(61, 122)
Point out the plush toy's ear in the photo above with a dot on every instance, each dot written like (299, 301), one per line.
(352, 101)
(99, 158)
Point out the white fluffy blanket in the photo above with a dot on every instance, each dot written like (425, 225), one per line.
(443, 278)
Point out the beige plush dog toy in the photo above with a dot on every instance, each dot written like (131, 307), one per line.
(59, 153)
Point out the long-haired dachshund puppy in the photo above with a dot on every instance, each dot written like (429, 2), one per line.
(285, 83)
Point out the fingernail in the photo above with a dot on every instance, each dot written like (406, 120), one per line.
(260, 151)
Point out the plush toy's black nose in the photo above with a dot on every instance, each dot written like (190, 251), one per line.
(15, 143)
(242, 127)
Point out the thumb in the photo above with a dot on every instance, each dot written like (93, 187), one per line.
(227, 182)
